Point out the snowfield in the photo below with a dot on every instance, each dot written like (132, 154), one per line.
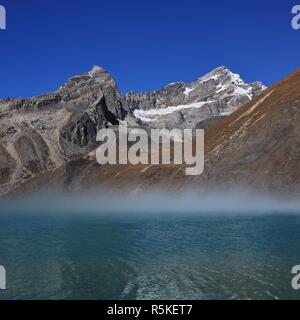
(150, 115)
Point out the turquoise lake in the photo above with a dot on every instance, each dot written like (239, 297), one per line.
(89, 256)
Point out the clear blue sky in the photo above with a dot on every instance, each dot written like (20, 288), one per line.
(144, 44)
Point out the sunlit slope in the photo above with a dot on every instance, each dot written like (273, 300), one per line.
(258, 146)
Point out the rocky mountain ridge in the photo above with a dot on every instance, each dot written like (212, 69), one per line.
(45, 132)
(257, 147)
(181, 105)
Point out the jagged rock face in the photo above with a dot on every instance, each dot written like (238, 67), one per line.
(181, 105)
(7, 165)
(44, 132)
(256, 147)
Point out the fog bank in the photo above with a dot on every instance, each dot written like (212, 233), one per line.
(159, 202)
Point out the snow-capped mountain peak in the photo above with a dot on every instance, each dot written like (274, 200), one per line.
(218, 93)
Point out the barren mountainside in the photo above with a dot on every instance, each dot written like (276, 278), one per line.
(44, 132)
(257, 146)
(41, 134)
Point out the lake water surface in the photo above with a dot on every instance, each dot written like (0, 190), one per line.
(89, 256)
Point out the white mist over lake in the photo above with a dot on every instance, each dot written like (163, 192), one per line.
(97, 245)
(159, 202)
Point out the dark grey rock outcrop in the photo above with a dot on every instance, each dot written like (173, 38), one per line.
(44, 132)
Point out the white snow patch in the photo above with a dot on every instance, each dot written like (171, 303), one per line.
(243, 92)
(149, 115)
(221, 88)
(208, 77)
(95, 70)
(187, 91)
